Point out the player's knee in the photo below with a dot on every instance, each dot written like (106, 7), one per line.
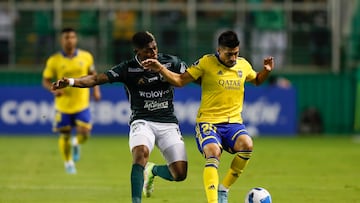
(244, 143)
(178, 170)
(83, 137)
(140, 154)
(180, 177)
(212, 150)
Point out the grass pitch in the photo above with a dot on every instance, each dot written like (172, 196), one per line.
(294, 170)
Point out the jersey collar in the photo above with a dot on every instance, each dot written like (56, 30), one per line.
(64, 54)
(218, 58)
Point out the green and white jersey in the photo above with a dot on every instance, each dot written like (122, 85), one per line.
(150, 96)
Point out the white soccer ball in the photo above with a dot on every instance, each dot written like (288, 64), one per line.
(258, 195)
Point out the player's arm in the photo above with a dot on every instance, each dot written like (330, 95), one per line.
(173, 78)
(263, 75)
(96, 89)
(82, 82)
(47, 84)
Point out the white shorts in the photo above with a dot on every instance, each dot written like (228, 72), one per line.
(166, 136)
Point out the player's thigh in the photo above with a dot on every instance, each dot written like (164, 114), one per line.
(62, 122)
(170, 141)
(206, 133)
(236, 138)
(141, 134)
(83, 121)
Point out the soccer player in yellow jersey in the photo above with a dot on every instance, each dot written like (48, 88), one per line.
(71, 104)
(219, 125)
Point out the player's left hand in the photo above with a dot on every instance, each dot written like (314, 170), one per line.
(152, 64)
(269, 63)
(62, 83)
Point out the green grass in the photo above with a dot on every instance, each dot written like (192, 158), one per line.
(294, 170)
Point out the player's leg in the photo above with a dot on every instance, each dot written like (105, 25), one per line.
(171, 145)
(83, 128)
(62, 124)
(242, 148)
(141, 142)
(209, 144)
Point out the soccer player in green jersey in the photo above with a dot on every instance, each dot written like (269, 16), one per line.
(72, 104)
(152, 121)
(219, 123)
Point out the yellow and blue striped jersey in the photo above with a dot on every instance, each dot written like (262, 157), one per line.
(222, 88)
(58, 66)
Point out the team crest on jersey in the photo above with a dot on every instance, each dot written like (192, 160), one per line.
(240, 73)
(141, 81)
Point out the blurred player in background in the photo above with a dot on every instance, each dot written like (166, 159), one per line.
(152, 121)
(219, 124)
(71, 104)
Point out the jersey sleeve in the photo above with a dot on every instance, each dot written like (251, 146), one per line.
(180, 66)
(251, 72)
(91, 63)
(49, 69)
(116, 73)
(196, 70)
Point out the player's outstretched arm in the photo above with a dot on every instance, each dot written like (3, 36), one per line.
(82, 82)
(263, 75)
(175, 79)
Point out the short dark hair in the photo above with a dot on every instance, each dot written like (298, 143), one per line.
(67, 29)
(228, 39)
(142, 39)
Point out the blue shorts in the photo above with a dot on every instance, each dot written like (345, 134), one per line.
(67, 121)
(223, 134)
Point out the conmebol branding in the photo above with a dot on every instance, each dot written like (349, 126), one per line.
(29, 110)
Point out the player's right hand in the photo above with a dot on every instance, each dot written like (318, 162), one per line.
(62, 83)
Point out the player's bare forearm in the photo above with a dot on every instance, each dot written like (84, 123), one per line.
(173, 78)
(264, 74)
(46, 83)
(82, 82)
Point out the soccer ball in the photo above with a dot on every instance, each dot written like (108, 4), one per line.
(258, 195)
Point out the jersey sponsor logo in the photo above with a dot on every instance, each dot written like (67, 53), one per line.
(230, 84)
(220, 72)
(154, 94)
(135, 70)
(152, 105)
(152, 79)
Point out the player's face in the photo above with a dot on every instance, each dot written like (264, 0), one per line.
(228, 55)
(148, 52)
(68, 41)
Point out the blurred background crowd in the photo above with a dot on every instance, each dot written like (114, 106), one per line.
(303, 35)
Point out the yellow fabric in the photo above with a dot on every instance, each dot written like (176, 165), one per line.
(237, 167)
(211, 182)
(81, 138)
(58, 66)
(222, 89)
(65, 147)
